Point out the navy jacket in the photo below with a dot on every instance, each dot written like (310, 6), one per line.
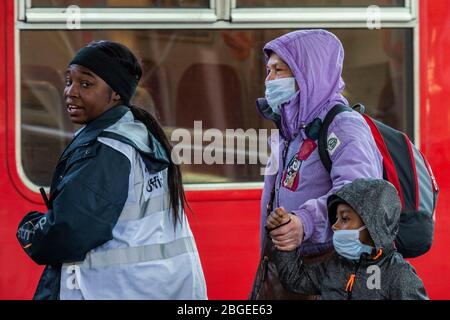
(88, 192)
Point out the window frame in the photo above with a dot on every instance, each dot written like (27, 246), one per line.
(92, 17)
(405, 14)
(221, 15)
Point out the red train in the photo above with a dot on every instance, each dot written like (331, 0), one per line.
(203, 61)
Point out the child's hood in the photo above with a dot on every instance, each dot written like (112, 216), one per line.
(377, 203)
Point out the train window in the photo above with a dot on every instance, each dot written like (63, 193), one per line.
(318, 3)
(122, 3)
(213, 76)
(95, 14)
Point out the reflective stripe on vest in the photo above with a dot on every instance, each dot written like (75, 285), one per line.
(136, 211)
(141, 254)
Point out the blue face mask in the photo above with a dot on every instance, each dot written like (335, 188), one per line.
(279, 91)
(347, 244)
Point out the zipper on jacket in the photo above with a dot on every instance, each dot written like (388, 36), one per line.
(351, 281)
(286, 147)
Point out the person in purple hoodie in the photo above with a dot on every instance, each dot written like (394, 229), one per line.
(303, 84)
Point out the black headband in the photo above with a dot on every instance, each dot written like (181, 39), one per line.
(107, 68)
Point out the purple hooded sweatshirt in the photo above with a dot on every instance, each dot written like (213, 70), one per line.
(315, 58)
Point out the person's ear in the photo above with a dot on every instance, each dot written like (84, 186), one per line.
(116, 97)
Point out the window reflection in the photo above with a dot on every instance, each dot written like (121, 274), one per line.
(209, 75)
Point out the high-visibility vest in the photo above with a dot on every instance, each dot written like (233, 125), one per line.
(147, 258)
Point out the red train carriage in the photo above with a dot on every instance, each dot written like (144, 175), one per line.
(203, 61)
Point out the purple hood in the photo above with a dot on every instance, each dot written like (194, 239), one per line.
(315, 57)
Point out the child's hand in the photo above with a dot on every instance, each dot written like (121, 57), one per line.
(277, 218)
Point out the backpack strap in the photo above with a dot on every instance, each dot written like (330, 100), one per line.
(323, 134)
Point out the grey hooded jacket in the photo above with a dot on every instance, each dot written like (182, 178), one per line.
(382, 275)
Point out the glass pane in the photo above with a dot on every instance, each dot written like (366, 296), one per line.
(123, 3)
(318, 3)
(210, 75)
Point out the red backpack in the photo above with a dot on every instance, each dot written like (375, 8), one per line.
(408, 170)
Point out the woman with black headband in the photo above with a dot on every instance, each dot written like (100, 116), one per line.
(115, 227)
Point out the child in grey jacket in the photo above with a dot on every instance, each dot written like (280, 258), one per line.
(365, 217)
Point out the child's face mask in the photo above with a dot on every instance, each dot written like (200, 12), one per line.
(347, 243)
(279, 91)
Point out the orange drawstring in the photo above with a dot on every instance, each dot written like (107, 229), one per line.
(379, 253)
(351, 281)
